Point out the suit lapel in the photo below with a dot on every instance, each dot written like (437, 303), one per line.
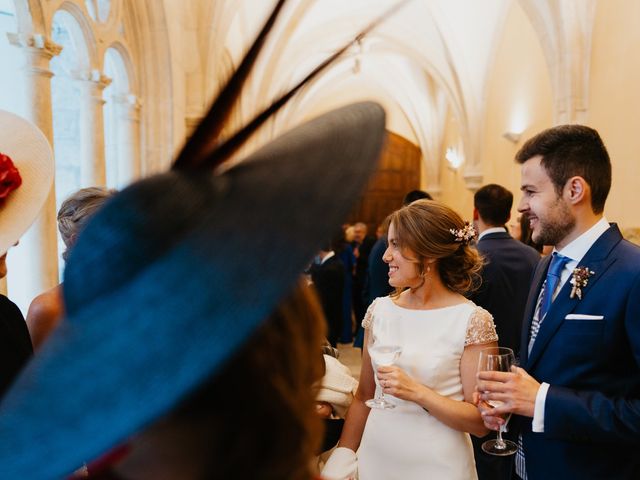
(595, 260)
(536, 284)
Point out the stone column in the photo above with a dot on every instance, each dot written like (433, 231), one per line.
(128, 138)
(92, 155)
(33, 264)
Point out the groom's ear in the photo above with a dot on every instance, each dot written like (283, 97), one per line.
(577, 190)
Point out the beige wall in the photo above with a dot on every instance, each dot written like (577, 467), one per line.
(454, 192)
(614, 102)
(518, 97)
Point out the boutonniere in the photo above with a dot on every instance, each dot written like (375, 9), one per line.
(579, 280)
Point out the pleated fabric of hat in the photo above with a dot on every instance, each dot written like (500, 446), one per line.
(170, 278)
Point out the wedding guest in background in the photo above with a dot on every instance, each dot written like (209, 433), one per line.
(362, 243)
(328, 279)
(176, 341)
(439, 334)
(525, 234)
(577, 393)
(508, 264)
(506, 277)
(334, 397)
(344, 251)
(26, 168)
(46, 310)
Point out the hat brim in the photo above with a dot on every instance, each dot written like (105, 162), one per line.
(171, 278)
(31, 153)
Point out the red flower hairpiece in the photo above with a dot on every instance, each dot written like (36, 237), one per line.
(10, 178)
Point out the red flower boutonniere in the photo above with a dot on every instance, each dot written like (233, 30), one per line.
(9, 177)
(579, 280)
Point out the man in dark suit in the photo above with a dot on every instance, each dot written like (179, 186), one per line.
(328, 278)
(506, 277)
(578, 391)
(509, 264)
(362, 244)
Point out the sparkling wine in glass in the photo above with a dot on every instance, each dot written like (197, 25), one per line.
(383, 352)
(499, 359)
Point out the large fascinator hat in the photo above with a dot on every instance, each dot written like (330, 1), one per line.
(26, 175)
(175, 272)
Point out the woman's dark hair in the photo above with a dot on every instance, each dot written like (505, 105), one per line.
(424, 228)
(525, 234)
(257, 417)
(572, 150)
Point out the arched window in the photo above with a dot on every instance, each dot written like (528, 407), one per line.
(98, 9)
(121, 158)
(11, 83)
(66, 95)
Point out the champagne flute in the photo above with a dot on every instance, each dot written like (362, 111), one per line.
(499, 359)
(383, 352)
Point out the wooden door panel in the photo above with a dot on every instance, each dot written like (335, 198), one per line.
(398, 173)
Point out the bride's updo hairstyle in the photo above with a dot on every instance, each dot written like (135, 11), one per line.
(428, 229)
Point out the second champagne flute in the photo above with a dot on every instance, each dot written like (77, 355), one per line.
(499, 359)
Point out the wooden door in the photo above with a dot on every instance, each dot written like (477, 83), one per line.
(398, 173)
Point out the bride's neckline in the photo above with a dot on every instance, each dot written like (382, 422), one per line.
(429, 309)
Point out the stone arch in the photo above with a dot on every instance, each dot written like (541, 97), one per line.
(149, 46)
(78, 14)
(565, 30)
(31, 18)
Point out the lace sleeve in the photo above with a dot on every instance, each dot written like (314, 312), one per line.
(481, 328)
(368, 317)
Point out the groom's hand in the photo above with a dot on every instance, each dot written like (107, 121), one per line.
(516, 389)
(491, 421)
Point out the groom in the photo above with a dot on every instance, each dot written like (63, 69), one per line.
(578, 391)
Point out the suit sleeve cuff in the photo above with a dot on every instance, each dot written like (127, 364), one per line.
(537, 425)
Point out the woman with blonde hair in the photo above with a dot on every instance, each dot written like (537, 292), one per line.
(46, 310)
(439, 334)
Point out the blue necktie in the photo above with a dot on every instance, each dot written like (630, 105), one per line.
(553, 279)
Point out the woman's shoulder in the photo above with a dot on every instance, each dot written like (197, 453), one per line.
(480, 328)
(377, 304)
(48, 303)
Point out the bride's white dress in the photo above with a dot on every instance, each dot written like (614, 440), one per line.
(407, 442)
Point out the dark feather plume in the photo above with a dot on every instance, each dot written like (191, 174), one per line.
(206, 135)
(204, 150)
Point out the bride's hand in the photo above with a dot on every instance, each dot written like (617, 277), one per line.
(394, 381)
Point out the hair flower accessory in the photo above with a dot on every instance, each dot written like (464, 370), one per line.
(579, 280)
(465, 234)
(10, 178)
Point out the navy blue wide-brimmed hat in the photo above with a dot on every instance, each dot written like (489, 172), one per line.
(170, 278)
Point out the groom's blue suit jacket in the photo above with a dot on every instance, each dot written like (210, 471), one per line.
(592, 410)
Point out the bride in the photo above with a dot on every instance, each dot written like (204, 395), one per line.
(441, 333)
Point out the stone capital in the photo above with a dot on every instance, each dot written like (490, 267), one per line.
(473, 179)
(128, 100)
(434, 190)
(36, 41)
(95, 77)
